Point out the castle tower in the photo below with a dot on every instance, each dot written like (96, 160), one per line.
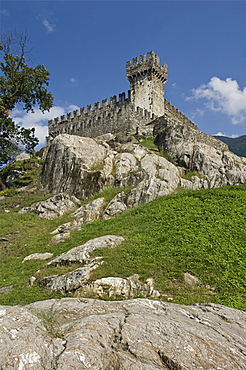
(147, 78)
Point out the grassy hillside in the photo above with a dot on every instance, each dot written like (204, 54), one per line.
(199, 232)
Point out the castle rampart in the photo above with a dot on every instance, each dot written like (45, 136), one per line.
(112, 116)
(172, 112)
(145, 102)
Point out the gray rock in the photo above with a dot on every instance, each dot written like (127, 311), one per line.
(106, 137)
(53, 207)
(116, 206)
(22, 156)
(191, 279)
(81, 253)
(73, 280)
(12, 176)
(196, 151)
(6, 289)
(133, 165)
(59, 238)
(69, 282)
(135, 334)
(148, 190)
(70, 166)
(91, 212)
(76, 282)
(25, 342)
(120, 288)
(38, 256)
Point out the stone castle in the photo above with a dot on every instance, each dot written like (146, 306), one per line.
(132, 114)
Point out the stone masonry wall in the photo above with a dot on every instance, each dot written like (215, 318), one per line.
(116, 116)
(175, 114)
(134, 114)
(147, 78)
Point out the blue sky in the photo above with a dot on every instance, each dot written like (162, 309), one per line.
(85, 44)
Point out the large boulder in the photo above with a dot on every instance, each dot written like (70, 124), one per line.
(118, 288)
(196, 151)
(81, 253)
(82, 166)
(77, 333)
(71, 166)
(53, 207)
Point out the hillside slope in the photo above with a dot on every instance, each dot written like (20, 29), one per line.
(201, 233)
(236, 145)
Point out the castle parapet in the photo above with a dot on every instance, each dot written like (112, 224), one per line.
(173, 112)
(86, 116)
(145, 102)
(142, 66)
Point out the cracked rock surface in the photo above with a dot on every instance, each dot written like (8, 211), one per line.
(199, 152)
(134, 334)
(53, 207)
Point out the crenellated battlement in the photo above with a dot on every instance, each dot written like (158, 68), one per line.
(174, 113)
(96, 110)
(134, 113)
(111, 116)
(143, 67)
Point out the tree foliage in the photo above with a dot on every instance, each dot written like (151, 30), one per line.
(19, 84)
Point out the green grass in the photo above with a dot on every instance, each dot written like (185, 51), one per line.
(200, 232)
(189, 175)
(149, 144)
(108, 194)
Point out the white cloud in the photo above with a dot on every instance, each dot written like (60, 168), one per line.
(73, 107)
(49, 27)
(38, 120)
(233, 136)
(200, 112)
(224, 96)
(4, 12)
(73, 80)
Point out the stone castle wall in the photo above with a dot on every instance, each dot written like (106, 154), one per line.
(113, 116)
(175, 114)
(132, 114)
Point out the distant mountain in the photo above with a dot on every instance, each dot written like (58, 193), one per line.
(236, 145)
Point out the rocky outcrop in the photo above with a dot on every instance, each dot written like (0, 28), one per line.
(83, 215)
(196, 151)
(81, 253)
(78, 282)
(83, 166)
(118, 288)
(77, 175)
(79, 277)
(71, 166)
(38, 256)
(53, 207)
(22, 156)
(135, 334)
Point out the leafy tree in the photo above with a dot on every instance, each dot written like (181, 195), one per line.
(19, 84)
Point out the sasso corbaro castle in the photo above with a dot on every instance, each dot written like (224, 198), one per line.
(132, 114)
